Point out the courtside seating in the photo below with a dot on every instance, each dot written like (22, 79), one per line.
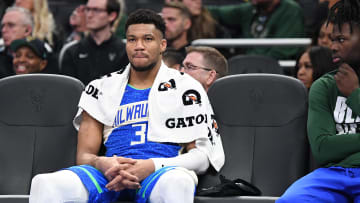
(262, 121)
(36, 130)
(242, 64)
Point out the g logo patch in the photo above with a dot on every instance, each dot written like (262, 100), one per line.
(164, 86)
(191, 97)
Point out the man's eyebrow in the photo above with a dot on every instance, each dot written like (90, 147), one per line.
(146, 35)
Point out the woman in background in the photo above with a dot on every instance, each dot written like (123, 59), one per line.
(44, 24)
(322, 37)
(323, 28)
(312, 64)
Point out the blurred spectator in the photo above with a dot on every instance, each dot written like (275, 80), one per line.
(178, 22)
(78, 23)
(203, 24)
(205, 64)
(323, 28)
(17, 23)
(172, 58)
(313, 63)
(44, 24)
(100, 52)
(310, 11)
(323, 36)
(119, 25)
(30, 56)
(264, 19)
(4, 4)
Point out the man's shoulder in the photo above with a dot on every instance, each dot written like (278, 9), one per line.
(116, 42)
(117, 39)
(67, 51)
(326, 81)
(329, 77)
(111, 77)
(232, 7)
(70, 47)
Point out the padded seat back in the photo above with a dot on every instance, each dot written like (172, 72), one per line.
(262, 121)
(242, 64)
(36, 131)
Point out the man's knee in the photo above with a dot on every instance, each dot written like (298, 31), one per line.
(181, 179)
(41, 180)
(41, 185)
(61, 186)
(175, 186)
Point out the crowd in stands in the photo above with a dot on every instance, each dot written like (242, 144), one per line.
(100, 52)
(34, 42)
(186, 20)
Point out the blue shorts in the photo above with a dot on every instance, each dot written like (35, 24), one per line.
(95, 182)
(333, 184)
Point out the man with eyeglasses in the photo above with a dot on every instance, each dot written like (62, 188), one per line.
(205, 64)
(101, 52)
(17, 23)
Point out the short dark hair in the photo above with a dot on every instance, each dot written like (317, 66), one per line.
(172, 56)
(113, 6)
(212, 57)
(146, 16)
(184, 11)
(345, 11)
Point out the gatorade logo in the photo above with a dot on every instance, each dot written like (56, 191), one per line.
(186, 121)
(191, 97)
(164, 86)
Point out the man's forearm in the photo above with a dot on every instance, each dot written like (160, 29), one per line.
(87, 158)
(195, 160)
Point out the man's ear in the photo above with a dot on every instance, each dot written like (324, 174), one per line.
(163, 45)
(28, 30)
(187, 23)
(43, 64)
(112, 16)
(211, 79)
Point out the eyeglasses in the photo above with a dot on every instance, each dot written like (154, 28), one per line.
(191, 67)
(94, 10)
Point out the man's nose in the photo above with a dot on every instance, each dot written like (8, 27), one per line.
(139, 45)
(334, 47)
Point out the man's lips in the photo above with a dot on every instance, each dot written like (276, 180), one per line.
(140, 56)
(336, 59)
